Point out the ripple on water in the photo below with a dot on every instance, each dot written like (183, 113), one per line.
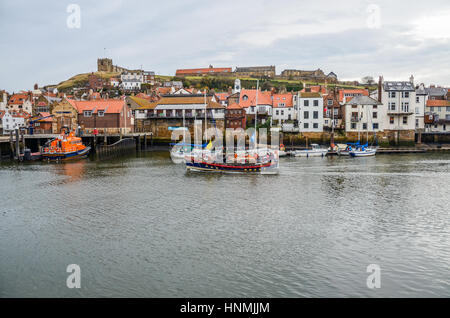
(144, 227)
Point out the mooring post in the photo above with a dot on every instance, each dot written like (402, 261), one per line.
(11, 144)
(23, 142)
(17, 144)
(145, 141)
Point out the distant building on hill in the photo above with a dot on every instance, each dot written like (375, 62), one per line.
(204, 71)
(315, 75)
(256, 71)
(106, 65)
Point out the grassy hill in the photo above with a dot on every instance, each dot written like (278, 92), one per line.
(82, 79)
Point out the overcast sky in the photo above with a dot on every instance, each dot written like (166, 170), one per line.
(351, 38)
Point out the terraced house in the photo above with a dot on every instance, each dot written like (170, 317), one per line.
(398, 99)
(310, 112)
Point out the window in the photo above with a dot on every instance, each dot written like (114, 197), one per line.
(447, 109)
(417, 110)
(405, 107)
(353, 125)
(306, 115)
(101, 113)
(277, 112)
(330, 102)
(336, 111)
(364, 126)
(315, 115)
(391, 94)
(405, 94)
(391, 120)
(391, 106)
(315, 125)
(375, 126)
(316, 102)
(417, 99)
(374, 115)
(306, 125)
(282, 113)
(405, 120)
(245, 97)
(87, 113)
(375, 107)
(439, 109)
(306, 103)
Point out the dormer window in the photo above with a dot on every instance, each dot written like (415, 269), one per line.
(87, 113)
(245, 97)
(101, 113)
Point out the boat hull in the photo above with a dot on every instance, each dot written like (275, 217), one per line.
(58, 156)
(306, 153)
(267, 168)
(366, 153)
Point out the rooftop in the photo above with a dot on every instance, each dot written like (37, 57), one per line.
(398, 86)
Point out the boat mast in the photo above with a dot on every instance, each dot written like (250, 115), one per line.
(332, 116)
(206, 122)
(256, 114)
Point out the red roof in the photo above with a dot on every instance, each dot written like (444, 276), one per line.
(203, 70)
(18, 99)
(438, 103)
(163, 90)
(45, 114)
(109, 106)
(248, 98)
(354, 92)
(222, 96)
(234, 106)
(315, 89)
(285, 99)
(16, 114)
(143, 96)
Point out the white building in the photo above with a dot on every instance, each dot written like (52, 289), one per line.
(132, 81)
(12, 120)
(283, 108)
(362, 115)
(20, 102)
(439, 110)
(399, 101)
(310, 112)
(420, 105)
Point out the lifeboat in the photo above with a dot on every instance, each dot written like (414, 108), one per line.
(65, 147)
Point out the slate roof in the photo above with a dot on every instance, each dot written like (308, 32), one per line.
(363, 100)
(398, 86)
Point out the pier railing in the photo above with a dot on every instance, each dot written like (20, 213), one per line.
(122, 147)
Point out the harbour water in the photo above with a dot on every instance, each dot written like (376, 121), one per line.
(143, 227)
